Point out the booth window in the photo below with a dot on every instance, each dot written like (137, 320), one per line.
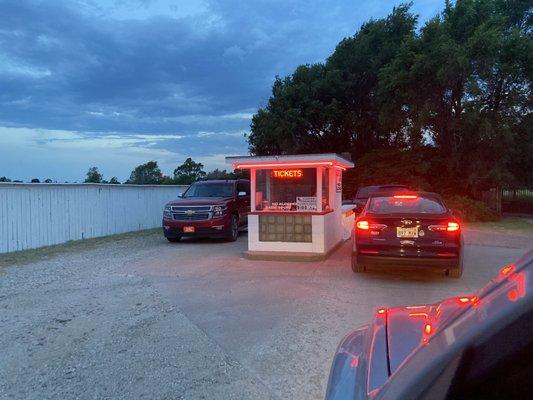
(286, 189)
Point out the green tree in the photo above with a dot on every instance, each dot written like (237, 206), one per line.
(114, 181)
(4, 179)
(35, 180)
(93, 176)
(146, 174)
(188, 172)
(460, 85)
(333, 106)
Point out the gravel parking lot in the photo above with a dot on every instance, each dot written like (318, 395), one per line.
(138, 317)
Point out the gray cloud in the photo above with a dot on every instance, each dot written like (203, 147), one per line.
(159, 67)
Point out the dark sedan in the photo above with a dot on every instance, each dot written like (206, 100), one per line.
(407, 229)
(477, 346)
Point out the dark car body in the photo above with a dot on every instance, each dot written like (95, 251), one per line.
(407, 229)
(216, 208)
(364, 192)
(469, 347)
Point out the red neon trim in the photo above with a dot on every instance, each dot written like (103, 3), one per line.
(280, 165)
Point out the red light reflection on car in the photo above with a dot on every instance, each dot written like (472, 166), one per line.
(519, 290)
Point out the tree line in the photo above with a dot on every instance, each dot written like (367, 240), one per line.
(447, 104)
(150, 174)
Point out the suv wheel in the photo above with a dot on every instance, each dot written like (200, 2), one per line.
(233, 233)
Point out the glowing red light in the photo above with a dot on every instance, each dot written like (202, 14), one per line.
(381, 311)
(464, 300)
(507, 269)
(281, 164)
(364, 225)
(512, 295)
(406, 196)
(418, 314)
(452, 227)
(355, 362)
(428, 329)
(368, 251)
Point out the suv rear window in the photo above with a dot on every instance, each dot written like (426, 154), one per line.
(405, 205)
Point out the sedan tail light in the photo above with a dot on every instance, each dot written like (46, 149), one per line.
(365, 225)
(449, 227)
(452, 227)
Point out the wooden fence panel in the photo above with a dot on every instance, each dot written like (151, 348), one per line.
(36, 215)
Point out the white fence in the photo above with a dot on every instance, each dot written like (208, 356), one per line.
(36, 215)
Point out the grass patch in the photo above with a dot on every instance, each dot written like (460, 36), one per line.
(514, 225)
(48, 252)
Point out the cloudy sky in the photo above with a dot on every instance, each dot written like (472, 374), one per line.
(120, 82)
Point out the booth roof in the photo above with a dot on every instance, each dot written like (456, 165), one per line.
(289, 159)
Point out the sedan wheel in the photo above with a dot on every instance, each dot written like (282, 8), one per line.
(456, 272)
(357, 268)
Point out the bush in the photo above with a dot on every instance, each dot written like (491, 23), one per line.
(469, 210)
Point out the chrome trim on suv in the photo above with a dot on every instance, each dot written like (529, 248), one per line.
(191, 213)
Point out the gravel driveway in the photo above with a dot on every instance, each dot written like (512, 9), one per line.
(141, 318)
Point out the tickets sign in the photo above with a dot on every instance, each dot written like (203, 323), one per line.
(287, 173)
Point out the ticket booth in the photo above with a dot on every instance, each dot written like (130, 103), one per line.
(296, 205)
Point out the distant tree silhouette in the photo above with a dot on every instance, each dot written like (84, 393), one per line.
(93, 176)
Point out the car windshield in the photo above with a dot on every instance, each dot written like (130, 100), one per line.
(409, 204)
(210, 190)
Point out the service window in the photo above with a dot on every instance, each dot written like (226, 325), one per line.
(286, 189)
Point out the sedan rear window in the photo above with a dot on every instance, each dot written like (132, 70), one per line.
(405, 205)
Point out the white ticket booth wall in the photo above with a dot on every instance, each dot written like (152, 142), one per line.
(295, 205)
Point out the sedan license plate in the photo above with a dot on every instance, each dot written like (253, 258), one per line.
(188, 229)
(407, 232)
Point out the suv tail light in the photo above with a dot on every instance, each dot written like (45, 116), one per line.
(451, 226)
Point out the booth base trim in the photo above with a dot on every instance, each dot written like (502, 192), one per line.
(290, 255)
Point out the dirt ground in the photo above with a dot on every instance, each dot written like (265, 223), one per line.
(137, 317)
